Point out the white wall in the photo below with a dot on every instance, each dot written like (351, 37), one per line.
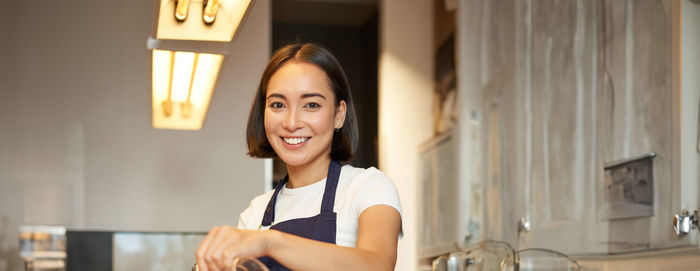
(405, 100)
(76, 143)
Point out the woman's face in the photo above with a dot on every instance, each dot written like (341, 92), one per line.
(300, 113)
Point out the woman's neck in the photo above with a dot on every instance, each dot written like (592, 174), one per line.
(309, 173)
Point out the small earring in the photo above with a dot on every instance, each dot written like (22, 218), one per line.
(337, 129)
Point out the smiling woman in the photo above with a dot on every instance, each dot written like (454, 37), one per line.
(299, 120)
(327, 75)
(322, 215)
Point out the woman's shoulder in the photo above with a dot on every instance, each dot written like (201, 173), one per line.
(352, 172)
(254, 213)
(261, 200)
(367, 187)
(356, 176)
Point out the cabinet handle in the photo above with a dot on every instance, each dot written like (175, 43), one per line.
(684, 222)
(523, 225)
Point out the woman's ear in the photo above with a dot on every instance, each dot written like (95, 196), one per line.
(340, 111)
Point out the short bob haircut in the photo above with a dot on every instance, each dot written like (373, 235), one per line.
(344, 140)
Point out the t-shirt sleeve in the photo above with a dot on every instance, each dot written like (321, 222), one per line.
(241, 221)
(251, 217)
(377, 189)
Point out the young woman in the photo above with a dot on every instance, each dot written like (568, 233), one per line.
(322, 216)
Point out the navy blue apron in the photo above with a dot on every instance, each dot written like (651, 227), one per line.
(320, 227)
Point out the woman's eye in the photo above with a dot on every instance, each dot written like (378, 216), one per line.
(276, 105)
(313, 105)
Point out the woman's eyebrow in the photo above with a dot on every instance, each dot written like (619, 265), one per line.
(314, 94)
(277, 95)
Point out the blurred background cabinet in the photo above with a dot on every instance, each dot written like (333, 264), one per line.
(558, 91)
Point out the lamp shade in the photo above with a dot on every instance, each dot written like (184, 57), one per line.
(190, 45)
(183, 83)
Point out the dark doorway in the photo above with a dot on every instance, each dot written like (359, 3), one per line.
(349, 29)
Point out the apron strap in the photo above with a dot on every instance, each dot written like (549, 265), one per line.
(328, 194)
(270, 209)
(331, 185)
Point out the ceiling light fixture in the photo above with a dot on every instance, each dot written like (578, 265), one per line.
(187, 53)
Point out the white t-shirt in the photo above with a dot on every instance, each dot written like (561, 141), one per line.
(358, 189)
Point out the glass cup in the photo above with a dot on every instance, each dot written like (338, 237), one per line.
(243, 264)
(545, 259)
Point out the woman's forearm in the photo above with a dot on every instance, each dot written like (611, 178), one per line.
(298, 253)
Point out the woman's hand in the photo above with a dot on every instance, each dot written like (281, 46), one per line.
(377, 236)
(224, 243)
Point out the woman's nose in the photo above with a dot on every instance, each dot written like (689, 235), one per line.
(292, 121)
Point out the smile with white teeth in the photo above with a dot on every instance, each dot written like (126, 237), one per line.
(295, 140)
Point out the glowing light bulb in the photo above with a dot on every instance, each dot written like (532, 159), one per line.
(181, 10)
(210, 11)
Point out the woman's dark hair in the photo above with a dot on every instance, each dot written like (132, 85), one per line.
(344, 140)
